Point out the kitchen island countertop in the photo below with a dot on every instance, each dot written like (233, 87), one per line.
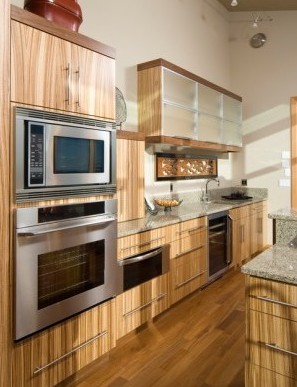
(278, 263)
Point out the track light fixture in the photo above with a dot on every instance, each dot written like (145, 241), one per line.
(234, 3)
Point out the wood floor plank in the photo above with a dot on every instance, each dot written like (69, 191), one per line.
(199, 342)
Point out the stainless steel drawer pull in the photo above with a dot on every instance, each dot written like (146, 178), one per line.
(190, 230)
(277, 348)
(189, 251)
(143, 306)
(264, 298)
(140, 258)
(142, 244)
(39, 369)
(189, 279)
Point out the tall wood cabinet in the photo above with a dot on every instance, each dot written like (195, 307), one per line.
(271, 337)
(54, 69)
(57, 69)
(130, 175)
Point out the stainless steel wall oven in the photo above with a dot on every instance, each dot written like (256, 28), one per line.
(66, 262)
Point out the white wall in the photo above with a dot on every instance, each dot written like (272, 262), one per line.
(266, 78)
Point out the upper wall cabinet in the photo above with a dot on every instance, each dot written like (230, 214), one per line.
(176, 103)
(55, 68)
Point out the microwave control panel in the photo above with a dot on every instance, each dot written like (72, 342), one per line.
(36, 155)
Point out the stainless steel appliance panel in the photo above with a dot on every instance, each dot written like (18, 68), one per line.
(62, 268)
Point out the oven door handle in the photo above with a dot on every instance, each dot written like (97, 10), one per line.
(41, 230)
(139, 258)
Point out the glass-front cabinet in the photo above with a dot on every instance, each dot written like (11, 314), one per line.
(173, 102)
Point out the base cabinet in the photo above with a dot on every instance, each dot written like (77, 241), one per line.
(258, 218)
(140, 304)
(51, 356)
(188, 257)
(249, 227)
(271, 337)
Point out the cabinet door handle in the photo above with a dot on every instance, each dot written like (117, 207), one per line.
(277, 348)
(68, 80)
(189, 251)
(189, 279)
(190, 230)
(142, 244)
(77, 72)
(242, 233)
(264, 298)
(147, 304)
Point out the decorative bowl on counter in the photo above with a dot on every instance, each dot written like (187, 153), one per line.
(168, 203)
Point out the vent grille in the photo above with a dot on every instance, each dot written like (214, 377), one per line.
(22, 197)
(64, 118)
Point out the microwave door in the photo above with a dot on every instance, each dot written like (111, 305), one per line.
(76, 158)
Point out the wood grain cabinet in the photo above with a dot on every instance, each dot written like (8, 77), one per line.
(241, 235)
(176, 103)
(249, 229)
(271, 339)
(51, 356)
(141, 303)
(52, 72)
(258, 215)
(188, 253)
(130, 175)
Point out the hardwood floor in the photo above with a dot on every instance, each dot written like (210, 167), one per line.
(197, 343)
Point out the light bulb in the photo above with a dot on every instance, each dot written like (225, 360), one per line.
(234, 3)
(255, 25)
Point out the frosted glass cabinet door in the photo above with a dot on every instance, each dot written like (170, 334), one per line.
(209, 101)
(179, 89)
(209, 128)
(179, 122)
(232, 133)
(231, 109)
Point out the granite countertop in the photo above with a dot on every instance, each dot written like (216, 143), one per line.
(186, 211)
(284, 214)
(278, 263)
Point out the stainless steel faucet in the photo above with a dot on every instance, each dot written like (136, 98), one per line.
(208, 181)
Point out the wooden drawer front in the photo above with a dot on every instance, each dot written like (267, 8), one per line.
(240, 212)
(260, 377)
(274, 298)
(160, 294)
(187, 273)
(273, 343)
(137, 243)
(138, 305)
(69, 346)
(194, 241)
(184, 229)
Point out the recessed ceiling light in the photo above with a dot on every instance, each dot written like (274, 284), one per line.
(234, 3)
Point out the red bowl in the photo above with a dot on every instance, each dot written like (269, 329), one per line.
(66, 13)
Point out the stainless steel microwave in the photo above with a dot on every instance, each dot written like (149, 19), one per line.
(59, 155)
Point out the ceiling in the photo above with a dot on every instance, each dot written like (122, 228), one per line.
(260, 5)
